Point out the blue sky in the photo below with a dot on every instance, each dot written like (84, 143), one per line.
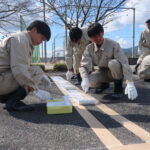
(120, 29)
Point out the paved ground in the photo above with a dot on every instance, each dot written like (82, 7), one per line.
(38, 131)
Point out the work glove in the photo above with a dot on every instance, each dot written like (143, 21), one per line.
(131, 91)
(46, 81)
(42, 95)
(85, 84)
(69, 74)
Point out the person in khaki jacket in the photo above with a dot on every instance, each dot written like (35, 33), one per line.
(111, 61)
(142, 67)
(78, 40)
(17, 76)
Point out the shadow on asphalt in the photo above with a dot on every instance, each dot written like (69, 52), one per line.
(142, 99)
(109, 122)
(39, 116)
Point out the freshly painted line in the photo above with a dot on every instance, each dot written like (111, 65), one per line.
(143, 146)
(78, 96)
(104, 135)
(109, 140)
(137, 130)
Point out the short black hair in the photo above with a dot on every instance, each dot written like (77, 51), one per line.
(95, 29)
(41, 27)
(75, 34)
(147, 21)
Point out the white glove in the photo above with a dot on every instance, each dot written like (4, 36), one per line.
(46, 81)
(42, 95)
(131, 91)
(85, 84)
(69, 74)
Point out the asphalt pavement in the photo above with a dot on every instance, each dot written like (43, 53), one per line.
(36, 130)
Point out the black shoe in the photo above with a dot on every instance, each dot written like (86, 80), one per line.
(135, 71)
(4, 98)
(118, 89)
(79, 79)
(103, 87)
(146, 80)
(18, 94)
(19, 106)
(14, 101)
(74, 77)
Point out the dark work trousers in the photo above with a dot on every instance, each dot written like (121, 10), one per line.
(13, 97)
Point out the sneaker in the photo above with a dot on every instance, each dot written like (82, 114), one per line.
(118, 89)
(146, 80)
(79, 79)
(74, 77)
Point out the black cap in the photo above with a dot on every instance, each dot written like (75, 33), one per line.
(148, 21)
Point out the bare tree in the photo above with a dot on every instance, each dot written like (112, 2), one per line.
(80, 12)
(10, 13)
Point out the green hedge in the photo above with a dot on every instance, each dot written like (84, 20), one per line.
(40, 65)
(60, 67)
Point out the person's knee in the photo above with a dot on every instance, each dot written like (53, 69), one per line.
(115, 69)
(94, 79)
(113, 64)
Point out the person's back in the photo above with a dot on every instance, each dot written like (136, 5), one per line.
(20, 38)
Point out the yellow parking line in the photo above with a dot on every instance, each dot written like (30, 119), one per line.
(104, 135)
(137, 130)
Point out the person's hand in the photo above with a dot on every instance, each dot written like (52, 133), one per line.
(69, 74)
(30, 89)
(42, 95)
(85, 84)
(131, 91)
